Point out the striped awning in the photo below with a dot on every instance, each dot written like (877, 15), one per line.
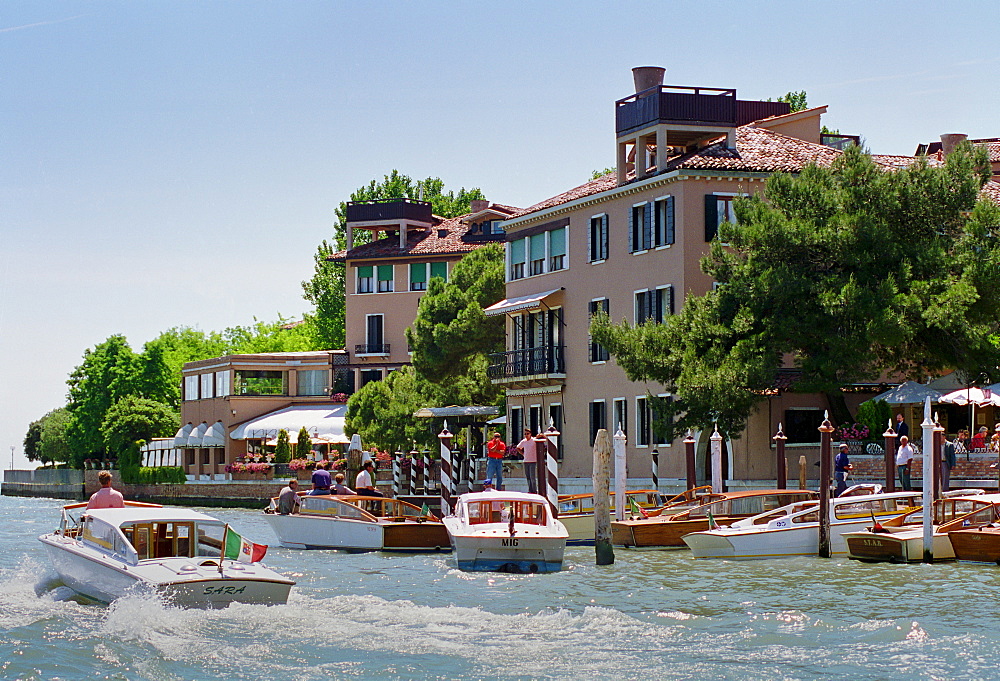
(508, 305)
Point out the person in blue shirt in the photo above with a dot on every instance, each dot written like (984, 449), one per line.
(841, 467)
(321, 479)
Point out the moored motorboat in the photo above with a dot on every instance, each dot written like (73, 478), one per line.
(901, 539)
(793, 530)
(358, 523)
(178, 553)
(506, 532)
(576, 512)
(666, 527)
(977, 544)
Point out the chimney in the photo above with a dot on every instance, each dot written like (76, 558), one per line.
(951, 140)
(646, 77)
(477, 205)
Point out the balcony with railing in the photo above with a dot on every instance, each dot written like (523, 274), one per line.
(699, 106)
(371, 349)
(547, 361)
(389, 210)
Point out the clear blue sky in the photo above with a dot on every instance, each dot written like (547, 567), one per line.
(176, 163)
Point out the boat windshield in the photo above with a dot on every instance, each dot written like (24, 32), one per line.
(173, 539)
(330, 507)
(748, 505)
(527, 512)
(879, 505)
(946, 510)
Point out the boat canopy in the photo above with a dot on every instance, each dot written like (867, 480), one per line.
(321, 420)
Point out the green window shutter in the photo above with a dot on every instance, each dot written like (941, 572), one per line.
(604, 237)
(385, 272)
(631, 228)
(711, 217)
(418, 273)
(557, 241)
(537, 247)
(517, 251)
(647, 226)
(439, 269)
(365, 271)
(669, 227)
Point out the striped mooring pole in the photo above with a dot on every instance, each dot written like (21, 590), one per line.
(447, 472)
(413, 472)
(397, 473)
(552, 468)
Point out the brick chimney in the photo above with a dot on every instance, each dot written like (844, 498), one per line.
(477, 205)
(951, 140)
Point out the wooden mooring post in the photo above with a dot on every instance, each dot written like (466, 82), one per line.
(603, 549)
(825, 466)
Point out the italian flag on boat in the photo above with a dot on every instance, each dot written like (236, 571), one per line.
(242, 550)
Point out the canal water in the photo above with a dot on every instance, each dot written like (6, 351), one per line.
(651, 615)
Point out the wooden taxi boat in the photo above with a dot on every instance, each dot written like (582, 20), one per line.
(665, 527)
(977, 544)
(106, 553)
(358, 523)
(901, 539)
(793, 530)
(576, 512)
(502, 531)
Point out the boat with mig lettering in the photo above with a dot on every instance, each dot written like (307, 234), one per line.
(192, 559)
(499, 531)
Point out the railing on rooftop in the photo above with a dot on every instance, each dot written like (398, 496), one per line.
(547, 359)
(690, 106)
(389, 209)
(837, 141)
(371, 349)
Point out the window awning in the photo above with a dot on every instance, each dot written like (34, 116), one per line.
(215, 436)
(508, 305)
(321, 420)
(181, 438)
(197, 435)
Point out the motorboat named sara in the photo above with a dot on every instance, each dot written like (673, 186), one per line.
(358, 524)
(179, 553)
(793, 530)
(506, 532)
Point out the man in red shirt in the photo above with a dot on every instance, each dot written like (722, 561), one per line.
(495, 450)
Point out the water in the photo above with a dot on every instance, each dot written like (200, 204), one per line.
(652, 615)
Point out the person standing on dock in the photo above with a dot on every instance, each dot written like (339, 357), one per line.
(904, 456)
(528, 449)
(841, 467)
(106, 497)
(495, 450)
(902, 430)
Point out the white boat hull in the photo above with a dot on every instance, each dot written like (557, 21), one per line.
(492, 548)
(186, 582)
(740, 543)
(319, 532)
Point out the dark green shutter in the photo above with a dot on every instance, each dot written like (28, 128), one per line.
(669, 227)
(711, 217)
(647, 226)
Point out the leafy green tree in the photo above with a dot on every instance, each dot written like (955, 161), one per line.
(327, 294)
(601, 173)
(796, 100)
(133, 418)
(108, 373)
(382, 412)
(277, 336)
(32, 439)
(851, 270)
(282, 451)
(451, 335)
(303, 448)
(875, 414)
(326, 289)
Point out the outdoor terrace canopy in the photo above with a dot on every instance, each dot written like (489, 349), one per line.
(321, 420)
(508, 305)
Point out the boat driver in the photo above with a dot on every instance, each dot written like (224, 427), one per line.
(106, 497)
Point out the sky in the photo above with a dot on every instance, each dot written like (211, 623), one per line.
(177, 163)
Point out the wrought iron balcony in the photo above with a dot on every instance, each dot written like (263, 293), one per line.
(540, 361)
(371, 349)
(390, 210)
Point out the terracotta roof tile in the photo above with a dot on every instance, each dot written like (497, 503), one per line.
(991, 191)
(448, 236)
(757, 150)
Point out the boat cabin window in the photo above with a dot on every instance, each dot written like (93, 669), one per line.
(209, 539)
(107, 537)
(570, 506)
(946, 510)
(166, 540)
(810, 517)
(718, 508)
(528, 512)
(330, 507)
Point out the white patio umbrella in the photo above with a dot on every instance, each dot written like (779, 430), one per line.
(979, 397)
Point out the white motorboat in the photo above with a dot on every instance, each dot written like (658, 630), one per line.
(358, 524)
(176, 552)
(793, 530)
(506, 532)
